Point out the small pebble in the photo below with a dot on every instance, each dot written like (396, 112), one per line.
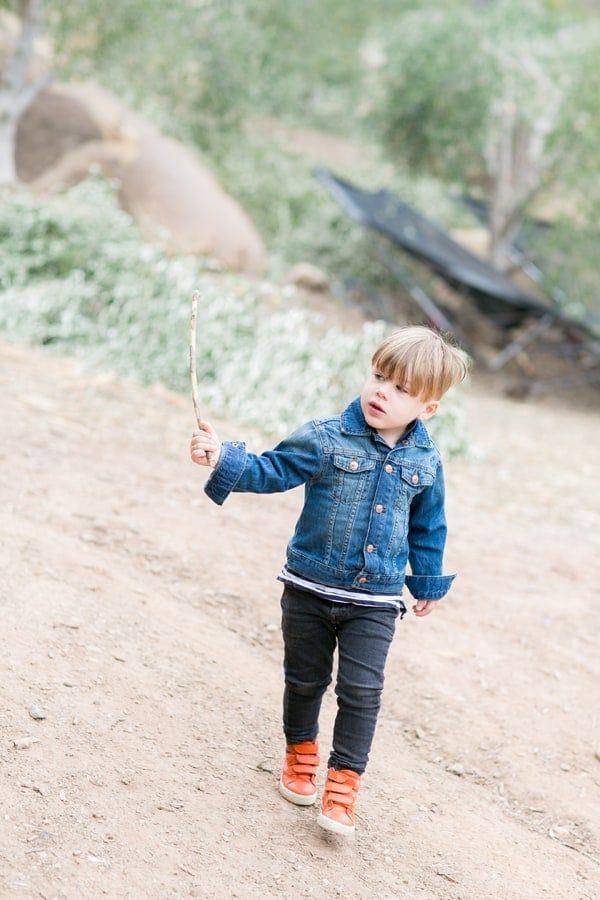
(24, 742)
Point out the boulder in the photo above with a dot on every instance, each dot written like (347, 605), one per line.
(107, 159)
(165, 186)
(162, 184)
(308, 276)
(50, 128)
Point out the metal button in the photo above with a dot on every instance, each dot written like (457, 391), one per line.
(415, 478)
(354, 465)
(379, 508)
(389, 469)
(370, 548)
(362, 580)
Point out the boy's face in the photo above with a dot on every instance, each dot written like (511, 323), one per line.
(389, 406)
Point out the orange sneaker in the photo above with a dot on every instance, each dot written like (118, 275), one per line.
(297, 783)
(339, 797)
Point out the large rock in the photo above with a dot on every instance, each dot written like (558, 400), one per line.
(166, 186)
(163, 185)
(108, 159)
(52, 126)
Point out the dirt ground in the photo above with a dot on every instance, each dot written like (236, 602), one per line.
(140, 736)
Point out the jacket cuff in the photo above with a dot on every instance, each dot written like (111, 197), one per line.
(429, 587)
(227, 472)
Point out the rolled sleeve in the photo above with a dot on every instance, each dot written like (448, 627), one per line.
(429, 587)
(228, 471)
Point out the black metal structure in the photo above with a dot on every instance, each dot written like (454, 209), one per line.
(495, 294)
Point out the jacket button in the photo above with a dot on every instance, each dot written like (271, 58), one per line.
(370, 548)
(415, 478)
(379, 508)
(389, 469)
(354, 465)
(362, 580)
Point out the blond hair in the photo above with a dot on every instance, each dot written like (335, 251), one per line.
(428, 361)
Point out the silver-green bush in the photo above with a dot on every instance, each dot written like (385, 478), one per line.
(76, 275)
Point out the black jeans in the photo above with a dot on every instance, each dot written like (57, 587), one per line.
(312, 628)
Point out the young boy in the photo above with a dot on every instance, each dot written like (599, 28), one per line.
(374, 503)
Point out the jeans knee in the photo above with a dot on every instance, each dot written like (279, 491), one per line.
(306, 688)
(358, 696)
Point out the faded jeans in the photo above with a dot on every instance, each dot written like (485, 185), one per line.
(312, 628)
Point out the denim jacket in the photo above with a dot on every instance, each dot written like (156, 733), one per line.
(369, 509)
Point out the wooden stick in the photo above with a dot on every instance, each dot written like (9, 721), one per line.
(193, 375)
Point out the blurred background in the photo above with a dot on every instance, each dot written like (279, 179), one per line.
(148, 148)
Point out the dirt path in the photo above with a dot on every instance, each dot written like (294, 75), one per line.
(142, 621)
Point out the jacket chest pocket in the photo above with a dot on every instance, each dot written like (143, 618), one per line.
(351, 477)
(414, 478)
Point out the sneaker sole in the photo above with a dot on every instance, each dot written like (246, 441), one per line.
(332, 825)
(297, 799)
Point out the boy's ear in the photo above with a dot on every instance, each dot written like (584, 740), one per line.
(431, 407)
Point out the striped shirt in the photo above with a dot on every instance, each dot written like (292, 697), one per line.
(342, 595)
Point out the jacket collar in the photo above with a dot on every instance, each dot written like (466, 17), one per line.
(353, 422)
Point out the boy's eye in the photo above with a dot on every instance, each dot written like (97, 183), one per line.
(401, 388)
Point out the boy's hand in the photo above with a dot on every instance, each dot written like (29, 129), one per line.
(424, 607)
(205, 441)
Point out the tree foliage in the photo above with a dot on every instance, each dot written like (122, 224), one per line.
(209, 65)
(202, 69)
(503, 96)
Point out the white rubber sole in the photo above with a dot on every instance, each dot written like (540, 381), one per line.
(332, 825)
(297, 799)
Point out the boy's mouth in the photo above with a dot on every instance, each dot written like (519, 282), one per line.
(375, 408)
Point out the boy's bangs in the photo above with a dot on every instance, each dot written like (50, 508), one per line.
(390, 367)
(422, 360)
(400, 367)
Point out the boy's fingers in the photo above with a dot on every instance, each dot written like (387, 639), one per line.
(423, 607)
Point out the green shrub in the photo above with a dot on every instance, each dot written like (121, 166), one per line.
(76, 275)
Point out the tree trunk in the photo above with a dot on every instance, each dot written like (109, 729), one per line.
(8, 131)
(16, 90)
(502, 182)
(515, 161)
